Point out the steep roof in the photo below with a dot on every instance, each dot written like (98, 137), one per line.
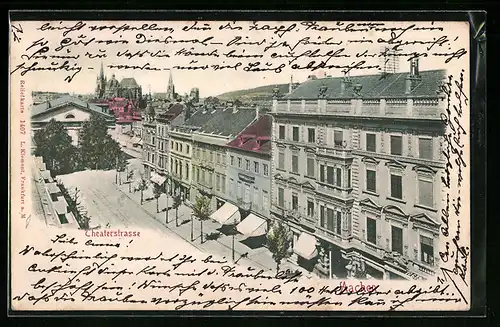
(256, 137)
(172, 112)
(226, 121)
(48, 106)
(129, 82)
(373, 86)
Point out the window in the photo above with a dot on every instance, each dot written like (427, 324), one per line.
(180, 147)
(187, 148)
(396, 187)
(338, 228)
(176, 146)
(371, 181)
(281, 197)
(211, 156)
(310, 208)
(322, 216)
(338, 138)
(425, 193)
(232, 160)
(281, 134)
(397, 239)
(197, 174)
(310, 167)
(239, 190)
(205, 154)
(426, 250)
(295, 202)
(239, 162)
(223, 182)
(256, 167)
(69, 116)
(217, 182)
(247, 164)
(218, 158)
(349, 178)
(266, 169)
(330, 220)
(371, 230)
(203, 179)
(295, 133)
(187, 170)
(311, 135)
(171, 164)
(295, 163)
(255, 198)
(371, 144)
(281, 160)
(322, 173)
(425, 148)
(396, 145)
(329, 175)
(339, 177)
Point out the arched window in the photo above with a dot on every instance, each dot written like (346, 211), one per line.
(69, 116)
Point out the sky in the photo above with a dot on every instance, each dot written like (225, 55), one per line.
(209, 82)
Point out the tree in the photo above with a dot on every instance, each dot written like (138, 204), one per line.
(143, 185)
(175, 205)
(157, 191)
(121, 165)
(130, 178)
(201, 209)
(53, 144)
(98, 150)
(278, 242)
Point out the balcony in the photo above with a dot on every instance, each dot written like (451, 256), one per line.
(429, 108)
(205, 188)
(334, 191)
(245, 205)
(335, 152)
(337, 239)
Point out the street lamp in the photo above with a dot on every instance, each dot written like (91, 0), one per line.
(192, 227)
(166, 209)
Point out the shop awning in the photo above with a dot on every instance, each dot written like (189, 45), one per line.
(306, 246)
(252, 226)
(45, 174)
(227, 214)
(139, 142)
(158, 179)
(53, 188)
(61, 207)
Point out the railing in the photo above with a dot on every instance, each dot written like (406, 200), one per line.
(333, 190)
(337, 152)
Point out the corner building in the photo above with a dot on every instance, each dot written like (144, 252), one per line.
(356, 165)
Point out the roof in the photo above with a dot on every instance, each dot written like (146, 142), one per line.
(256, 137)
(225, 121)
(373, 86)
(64, 101)
(129, 82)
(172, 112)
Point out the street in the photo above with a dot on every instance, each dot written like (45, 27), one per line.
(113, 206)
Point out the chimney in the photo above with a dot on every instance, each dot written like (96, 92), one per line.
(414, 67)
(48, 104)
(290, 86)
(257, 113)
(235, 109)
(413, 77)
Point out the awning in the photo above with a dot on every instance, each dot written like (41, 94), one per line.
(135, 140)
(139, 142)
(158, 179)
(61, 207)
(252, 226)
(306, 246)
(45, 174)
(227, 214)
(53, 188)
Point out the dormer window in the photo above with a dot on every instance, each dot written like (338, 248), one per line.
(69, 116)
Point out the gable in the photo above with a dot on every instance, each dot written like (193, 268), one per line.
(68, 113)
(424, 219)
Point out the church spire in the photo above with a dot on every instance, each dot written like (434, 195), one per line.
(101, 74)
(170, 87)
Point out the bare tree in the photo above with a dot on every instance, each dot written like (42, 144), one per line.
(157, 191)
(143, 185)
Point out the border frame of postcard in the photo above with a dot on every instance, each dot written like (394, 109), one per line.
(477, 22)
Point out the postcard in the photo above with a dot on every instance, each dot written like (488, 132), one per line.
(239, 165)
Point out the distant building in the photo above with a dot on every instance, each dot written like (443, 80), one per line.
(70, 111)
(107, 89)
(40, 96)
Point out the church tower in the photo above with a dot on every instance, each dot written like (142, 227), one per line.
(170, 88)
(100, 84)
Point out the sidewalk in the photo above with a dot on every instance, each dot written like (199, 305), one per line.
(259, 258)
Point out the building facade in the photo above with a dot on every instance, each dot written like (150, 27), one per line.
(112, 88)
(248, 168)
(71, 112)
(355, 173)
(209, 158)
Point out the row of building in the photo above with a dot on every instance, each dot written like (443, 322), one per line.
(351, 164)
